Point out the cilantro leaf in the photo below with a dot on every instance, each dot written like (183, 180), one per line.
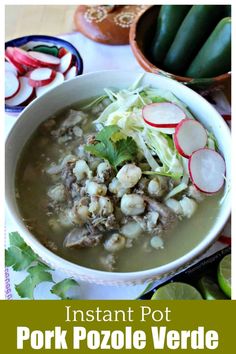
(60, 289)
(37, 274)
(107, 132)
(105, 151)
(126, 150)
(115, 152)
(19, 255)
(16, 239)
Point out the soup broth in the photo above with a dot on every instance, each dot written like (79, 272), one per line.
(32, 184)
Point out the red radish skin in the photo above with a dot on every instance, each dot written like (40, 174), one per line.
(207, 170)
(163, 115)
(72, 72)
(10, 58)
(12, 84)
(189, 136)
(227, 117)
(22, 95)
(24, 58)
(41, 77)
(59, 78)
(62, 52)
(43, 59)
(65, 64)
(40, 83)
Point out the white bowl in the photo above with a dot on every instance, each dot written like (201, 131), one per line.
(87, 86)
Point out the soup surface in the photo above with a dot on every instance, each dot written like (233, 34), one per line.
(48, 211)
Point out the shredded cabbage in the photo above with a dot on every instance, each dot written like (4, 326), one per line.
(162, 145)
(185, 178)
(93, 103)
(211, 141)
(178, 189)
(157, 145)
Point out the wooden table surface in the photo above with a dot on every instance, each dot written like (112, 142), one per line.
(23, 20)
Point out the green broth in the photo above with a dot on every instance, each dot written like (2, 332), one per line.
(32, 186)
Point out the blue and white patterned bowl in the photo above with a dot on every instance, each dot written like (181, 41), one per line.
(30, 42)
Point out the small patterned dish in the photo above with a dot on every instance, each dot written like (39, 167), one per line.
(47, 44)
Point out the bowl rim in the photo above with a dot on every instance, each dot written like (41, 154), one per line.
(95, 275)
(148, 65)
(20, 41)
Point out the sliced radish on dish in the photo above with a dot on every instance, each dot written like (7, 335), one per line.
(207, 170)
(23, 94)
(24, 58)
(12, 84)
(72, 72)
(9, 55)
(43, 59)
(163, 115)
(41, 74)
(10, 67)
(65, 64)
(41, 77)
(189, 136)
(59, 78)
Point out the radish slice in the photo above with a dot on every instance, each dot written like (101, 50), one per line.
(62, 52)
(163, 115)
(10, 67)
(23, 94)
(43, 59)
(207, 170)
(189, 136)
(65, 64)
(9, 55)
(41, 74)
(59, 78)
(72, 72)
(41, 77)
(12, 84)
(24, 58)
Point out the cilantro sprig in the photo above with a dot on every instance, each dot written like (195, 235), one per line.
(60, 289)
(112, 146)
(38, 273)
(21, 257)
